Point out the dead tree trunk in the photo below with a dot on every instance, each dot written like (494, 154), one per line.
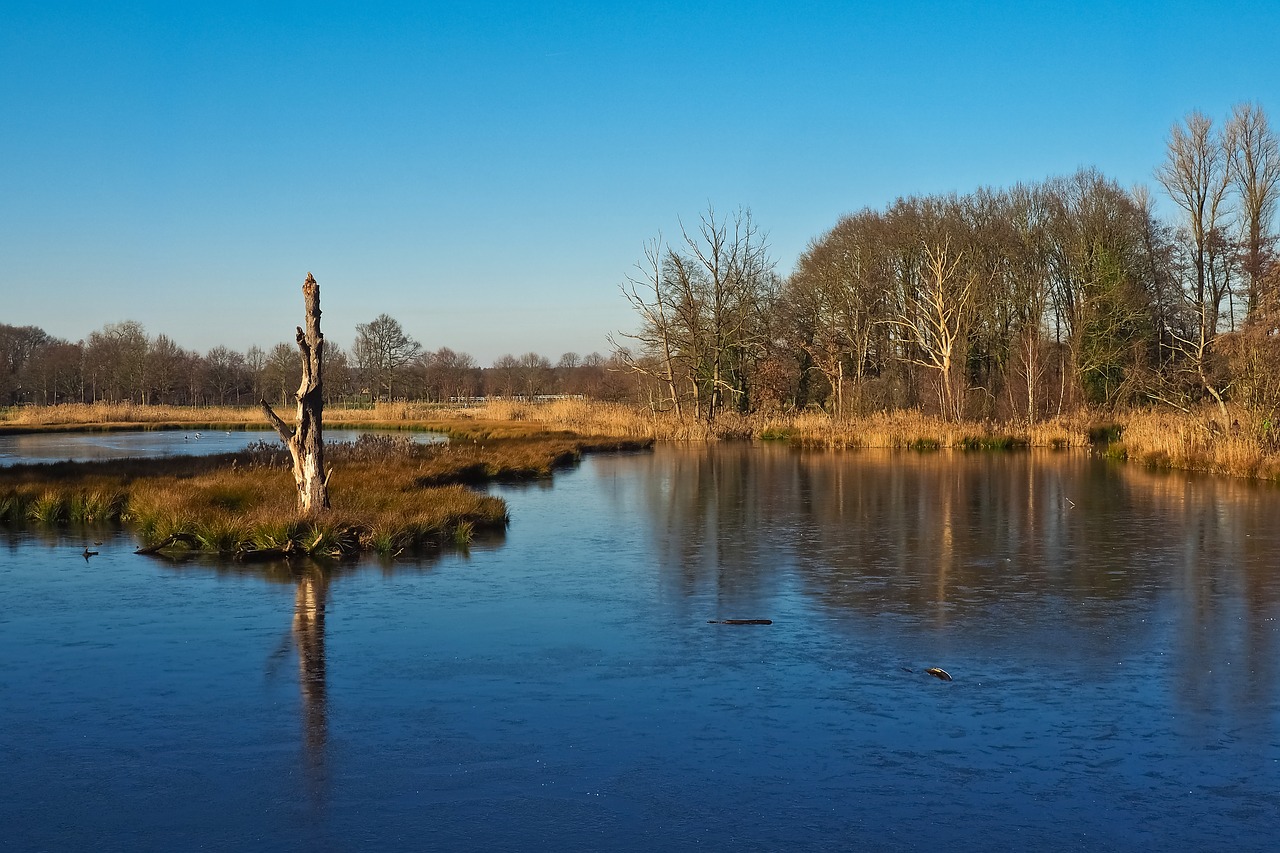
(306, 440)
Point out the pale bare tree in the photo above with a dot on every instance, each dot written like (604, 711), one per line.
(934, 320)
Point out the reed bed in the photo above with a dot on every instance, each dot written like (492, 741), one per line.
(104, 415)
(1246, 446)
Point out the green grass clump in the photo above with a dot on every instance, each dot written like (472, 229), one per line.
(96, 506)
(1105, 433)
(990, 442)
(50, 507)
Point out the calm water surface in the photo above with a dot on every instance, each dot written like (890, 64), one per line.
(87, 446)
(1112, 634)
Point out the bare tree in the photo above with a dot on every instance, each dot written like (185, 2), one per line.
(657, 335)
(276, 372)
(506, 376)
(117, 356)
(18, 347)
(833, 297)
(224, 371)
(163, 370)
(1196, 177)
(382, 351)
(935, 320)
(1253, 159)
(305, 439)
(535, 372)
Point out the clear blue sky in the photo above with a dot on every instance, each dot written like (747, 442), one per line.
(487, 173)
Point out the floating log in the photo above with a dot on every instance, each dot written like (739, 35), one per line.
(185, 538)
(739, 621)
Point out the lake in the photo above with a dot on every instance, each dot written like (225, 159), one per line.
(87, 446)
(1111, 632)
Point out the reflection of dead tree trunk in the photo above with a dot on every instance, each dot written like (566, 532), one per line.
(305, 440)
(308, 635)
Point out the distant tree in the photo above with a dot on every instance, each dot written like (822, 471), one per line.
(117, 355)
(255, 362)
(504, 376)
(19, 345)
(535, 374)
(658, 350)
(449, 375)
(53, 373)
(225, 373)
(382, 352)
(164, 368)
(832, 303)
(278, 372)
(565, 373)
(1098, 264)
(339, 375)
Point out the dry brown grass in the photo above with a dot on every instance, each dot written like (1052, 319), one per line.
(901, 429)
(1200, 441)
(104, 415)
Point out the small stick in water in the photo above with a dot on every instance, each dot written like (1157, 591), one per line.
(739, 621)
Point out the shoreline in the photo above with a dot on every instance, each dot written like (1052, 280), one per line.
(1248, 445)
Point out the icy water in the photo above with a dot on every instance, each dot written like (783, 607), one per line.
(1112, 636)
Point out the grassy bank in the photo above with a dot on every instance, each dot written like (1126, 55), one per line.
(1247, 446)
(116, 416)
(389, 495)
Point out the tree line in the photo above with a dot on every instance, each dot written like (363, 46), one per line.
(121, 362)
(1018, 303)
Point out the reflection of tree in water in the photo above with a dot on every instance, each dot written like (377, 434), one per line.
(308, 638)
(712, 508)
(1063, 549)
(1226, 594)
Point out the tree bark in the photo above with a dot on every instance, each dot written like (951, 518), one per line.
(305, 439)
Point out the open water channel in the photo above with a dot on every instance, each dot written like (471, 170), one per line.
(1112, 635)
